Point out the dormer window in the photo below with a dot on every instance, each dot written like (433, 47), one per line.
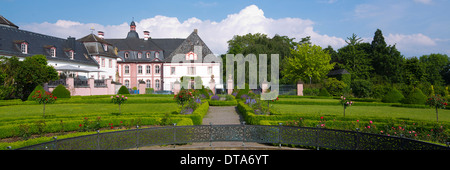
(139, 55)
(147, 55)
(126, 54)
(157, 55)
(105, 47)
(53, 52)
(24, 48)
(71, 54)
(191, 56)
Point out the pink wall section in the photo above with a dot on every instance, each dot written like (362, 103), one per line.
(87, 91)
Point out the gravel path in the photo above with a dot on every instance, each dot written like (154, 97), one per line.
(222, 115)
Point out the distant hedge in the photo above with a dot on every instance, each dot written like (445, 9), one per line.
(123, 90)
(38, 87)
(61, 92)
(393, 96)
(415, 97)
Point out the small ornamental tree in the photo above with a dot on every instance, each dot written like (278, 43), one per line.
(345, 103)
(436, 102)
(118, 100)
(43, 97)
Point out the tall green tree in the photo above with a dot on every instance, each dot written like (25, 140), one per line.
(260, 44)
(306, 62)
(386, 60)
(435, 67)
(355, 58)
(23, 76)
(414, 71)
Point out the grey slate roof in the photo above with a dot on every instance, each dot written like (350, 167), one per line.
(133, 46)
(96, 46)
(11, 38)
(188, 45)
(5, 22)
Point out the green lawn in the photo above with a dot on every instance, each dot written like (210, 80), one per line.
(17, 111)
(384, 112)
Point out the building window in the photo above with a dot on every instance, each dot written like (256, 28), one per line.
(53, 52)
(191, 70)
(127, 83)
(139, 69)
(139, 55)
(191, 56)
(126, 54)
(110, 63)
(209, 70)
(127, 70)
(103, 62)
(157, 69)
(157, 55)
(24, 48)
(105, 47)
(71, 54)
(149, 69)
(156, 84)
(147, 54)
(172, 70)
(148, 83)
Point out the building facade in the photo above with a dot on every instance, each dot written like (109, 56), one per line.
(154, 62)
(158, 63)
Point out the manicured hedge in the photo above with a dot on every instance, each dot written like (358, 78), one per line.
(61, 92)
(199, 113)
(393, 96)
(123, 90)
(222, 103)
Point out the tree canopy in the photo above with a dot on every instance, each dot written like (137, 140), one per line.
(21, 77)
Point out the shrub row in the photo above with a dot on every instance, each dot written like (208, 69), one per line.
(199, 113)
(222, 103)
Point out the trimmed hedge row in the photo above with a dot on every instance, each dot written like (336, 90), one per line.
(222, 103)
(199, 113)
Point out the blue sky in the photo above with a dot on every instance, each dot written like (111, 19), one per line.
(417, 27)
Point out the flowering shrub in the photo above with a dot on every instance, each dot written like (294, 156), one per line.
(345, 103)
(215, 97)
(87, 125)
(182, 97)
(43, 97)
(436, 102)
(118, 100)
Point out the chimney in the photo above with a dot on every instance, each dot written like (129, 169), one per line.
(71, 42)
(101, 34)
(146, 35)
(196, 31)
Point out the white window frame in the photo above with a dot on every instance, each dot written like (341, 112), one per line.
(53, 52)
(148, 83)
(139, 69)
(127, 83)
(191, 70)
(126, 69)
(24, 48)
(172, 70)
(157, 84)
(148, 69)
(157, 69)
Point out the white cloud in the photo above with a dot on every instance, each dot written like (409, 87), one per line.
(215, 34)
